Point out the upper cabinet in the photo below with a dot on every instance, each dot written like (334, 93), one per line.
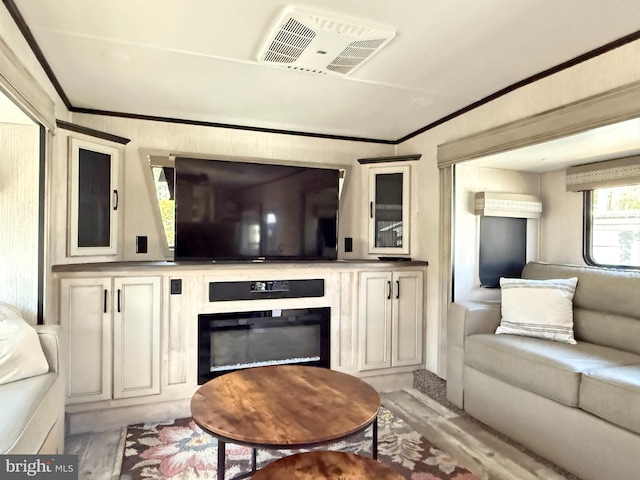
(389, 209)
(93, 198)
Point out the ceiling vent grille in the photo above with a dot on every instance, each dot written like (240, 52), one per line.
(289, 43)
(354, 55)
(318, 43)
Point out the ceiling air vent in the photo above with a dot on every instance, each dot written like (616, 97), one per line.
(290, 41)
(320, 43)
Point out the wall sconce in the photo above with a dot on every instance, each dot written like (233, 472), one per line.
(512, 205)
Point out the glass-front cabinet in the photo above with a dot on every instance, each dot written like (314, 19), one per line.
(389, 210)
(93, 209)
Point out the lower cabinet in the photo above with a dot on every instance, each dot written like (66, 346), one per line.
(113, 330)
(390, 319)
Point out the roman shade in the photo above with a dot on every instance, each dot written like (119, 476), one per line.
(512, 205)
(610, 173)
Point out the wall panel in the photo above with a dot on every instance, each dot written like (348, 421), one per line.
(19, 179)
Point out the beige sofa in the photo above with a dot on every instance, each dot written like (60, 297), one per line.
(32, 418)
(577, 405)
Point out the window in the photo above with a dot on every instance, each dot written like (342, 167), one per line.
(612, 226)
(164, 181)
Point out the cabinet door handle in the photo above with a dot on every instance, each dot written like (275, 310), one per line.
(388, 290)
(104, 308)
(397, 288)
(115, 199)
(371, 209)
(119, 300)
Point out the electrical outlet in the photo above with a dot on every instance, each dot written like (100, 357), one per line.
(176, 286)
(348, 244)
(141, 244)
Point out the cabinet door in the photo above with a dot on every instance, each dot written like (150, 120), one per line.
(375, 320)
(407, 326)
(389, 210)
(136, 336)
(93, 198)
(86, 316)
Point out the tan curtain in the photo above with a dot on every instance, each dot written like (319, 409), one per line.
(610, 173)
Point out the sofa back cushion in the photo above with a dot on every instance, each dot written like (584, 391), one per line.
(606, 303)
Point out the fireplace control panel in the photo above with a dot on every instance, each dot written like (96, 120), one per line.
(261, 289)
(270, 286)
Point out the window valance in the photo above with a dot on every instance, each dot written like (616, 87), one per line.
(511, 205)
(20, 86)
(610, 173)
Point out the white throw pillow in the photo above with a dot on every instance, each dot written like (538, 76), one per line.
(21, 354)
(538, 308)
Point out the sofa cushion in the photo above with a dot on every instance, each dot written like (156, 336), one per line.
(21, 354)
(613, 394)
(538, 308)
(26, 417)
(551, 369)
(606, 303)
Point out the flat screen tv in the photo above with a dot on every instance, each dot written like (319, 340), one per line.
(229, 210)
(503, 249)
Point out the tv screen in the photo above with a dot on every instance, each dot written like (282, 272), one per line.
(503, 249)
(227, 210)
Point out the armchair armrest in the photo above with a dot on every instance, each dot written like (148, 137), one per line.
(464, 319)
(49, 336)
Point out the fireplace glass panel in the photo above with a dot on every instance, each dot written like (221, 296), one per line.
(232, 341)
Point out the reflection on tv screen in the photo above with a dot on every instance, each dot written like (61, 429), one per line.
(241, 210)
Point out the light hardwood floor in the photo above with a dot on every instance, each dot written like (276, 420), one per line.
(98, 454)
(488, 457)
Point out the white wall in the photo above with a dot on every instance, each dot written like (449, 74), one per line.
(138, 196)
(23, 238)
(19, 184)
(10, 113)
(605, 72)
(12, 37)
(600, 74)
(561, 235)
(468, 181)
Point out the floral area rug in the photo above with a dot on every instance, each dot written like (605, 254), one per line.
(180, 450)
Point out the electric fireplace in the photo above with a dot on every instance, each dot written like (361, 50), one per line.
(232, 341)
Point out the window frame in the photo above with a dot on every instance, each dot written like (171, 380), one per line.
(161, 165)
(146, 160)
(587, 236)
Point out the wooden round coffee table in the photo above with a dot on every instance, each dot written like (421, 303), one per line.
(284, 406)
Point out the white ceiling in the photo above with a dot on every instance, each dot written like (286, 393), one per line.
(198, 60)
(604, 143)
